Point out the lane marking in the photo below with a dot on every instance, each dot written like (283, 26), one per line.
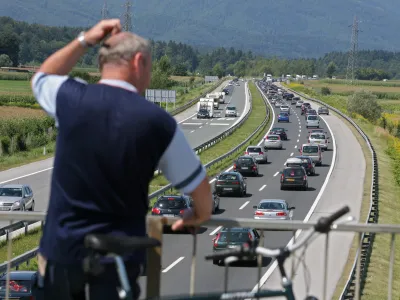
(295, 147)
(192, 131)
(263, 187)
(200, 126)
(310, 212)
(299, 130)
(291, 154)
(244, 205)
(215, 230)
(297, 141)
(27, 175)
(299, 134)
(192, 123)
(173, 264)
(276, 174)
(222, 124)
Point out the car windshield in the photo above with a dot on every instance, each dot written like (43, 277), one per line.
(272, 205)
(310, 149)
(293, 172)
(228, 177)
(284, 106)
(241, 236)
(20, 286)
(230, 108)
(318, 136)
(273, 138)
(171, 203)
(203, 111)
(254, 149)
(312, 117)
(11, 192)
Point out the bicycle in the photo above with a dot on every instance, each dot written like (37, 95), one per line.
(249, 249)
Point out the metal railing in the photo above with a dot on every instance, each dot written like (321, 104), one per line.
(351, 290)
(156, 224)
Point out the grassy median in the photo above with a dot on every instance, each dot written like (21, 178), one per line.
(376, 283)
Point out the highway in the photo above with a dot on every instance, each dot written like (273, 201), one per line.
(177, 248)
(38, 174)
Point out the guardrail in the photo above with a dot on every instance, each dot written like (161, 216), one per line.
(233, 151)
(357, 275)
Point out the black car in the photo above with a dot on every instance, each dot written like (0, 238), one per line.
(294, 177)
(230, 183)
(23, 285)
(323, 110)
(246, 164)
(279, 131)
(307, 164)
(226, 91)
(171, 205)
(203, 114)
(234, 237)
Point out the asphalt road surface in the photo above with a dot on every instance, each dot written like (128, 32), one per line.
(177, 248)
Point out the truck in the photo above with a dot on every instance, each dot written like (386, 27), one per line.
(205, 108)
(215, 98)
(221, 97)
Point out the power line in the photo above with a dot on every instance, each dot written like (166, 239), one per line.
(127, 16)
(104, 11)
(352, 60)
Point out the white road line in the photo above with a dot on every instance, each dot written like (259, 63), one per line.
(215, 230)
(244, 205)
(173, 264)
(222, 124)
(309, 214)
(276, 174)
(297, 141)
(27, 175)
(291, 154)
(299, 134)
(263, 187)
(295, 147)
(299, 130)
(192, 123)
(192, 131)
(200, 126)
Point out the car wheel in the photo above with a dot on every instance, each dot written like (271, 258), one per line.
(215, 261)
(33, 206)
(282, 188)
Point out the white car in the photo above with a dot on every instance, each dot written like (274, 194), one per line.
(319, 138)
(231, 111)
(273, 141)
(285, 108)
(299, 103)
(258, 154)
(278, 104)
(312, 121)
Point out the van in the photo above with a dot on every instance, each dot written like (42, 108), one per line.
(314, 151)
(312, 121)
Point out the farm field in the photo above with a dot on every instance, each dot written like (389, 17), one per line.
(342, 87)
(13, 112)
(15, 87)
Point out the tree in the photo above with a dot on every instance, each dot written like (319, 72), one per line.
(164, 65)
(218, 70)
(180, 70)
(365, 104)
(331, 69)
(240, 69)
(5, 61)
(9, 44)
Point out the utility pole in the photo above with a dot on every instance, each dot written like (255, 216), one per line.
(352, 60)
(127, 16)
(104, 11)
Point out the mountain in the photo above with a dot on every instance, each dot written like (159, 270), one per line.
(289, 28)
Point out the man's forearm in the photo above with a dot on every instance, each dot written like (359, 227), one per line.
(62, 61)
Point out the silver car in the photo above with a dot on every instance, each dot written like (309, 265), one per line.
(312, 121)
(16, 197)
(273, 209)
(285, 108)
(299, 103)
(231, 111)
(257, 153)
(322, 110)
(319, 138)
(273, 141)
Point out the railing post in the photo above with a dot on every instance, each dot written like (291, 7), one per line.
(153, 267)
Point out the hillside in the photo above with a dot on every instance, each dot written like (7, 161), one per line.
(294, 28)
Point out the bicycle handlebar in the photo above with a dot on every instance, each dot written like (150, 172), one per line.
(251, 247)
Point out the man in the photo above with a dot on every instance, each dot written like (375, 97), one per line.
(110, 141)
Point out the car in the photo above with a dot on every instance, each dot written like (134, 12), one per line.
(293, 101)
(230, 183)
(294, 177)
(246, 164)
(283, 117)
(229, 238)
(273, 141)
(285, 108)
(308, 164)
(323, 110)
(258, 153)
(231, 111)
(273, 209)
(23, 285)
(237, 84)
(171, 205)
(280, 131)
(278, 103)
(293, 162)
(314, 151)
(16, 197)
(310, 112)
(226, 91)
(203, 114)
(319, 138)
(312, 121)
(299, 103)
(315, 130)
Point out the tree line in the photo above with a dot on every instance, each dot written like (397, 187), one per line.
(22, 43)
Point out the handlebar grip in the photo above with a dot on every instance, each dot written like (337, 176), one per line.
(324, 223)
(241, 251)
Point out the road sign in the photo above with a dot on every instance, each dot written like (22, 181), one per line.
(211, 78)
(160, 96)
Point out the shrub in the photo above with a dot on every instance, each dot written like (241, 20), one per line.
(325, 91)
(365, 104)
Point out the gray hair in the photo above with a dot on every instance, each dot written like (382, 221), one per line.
(117, 50)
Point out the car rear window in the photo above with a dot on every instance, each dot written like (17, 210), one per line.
(242, 236)
(310, 149)
(254, 149)
(293, 172)
(312, 118)
(20, 286)
(318, 136)
(228, 177)
(245, 161)
(230, 108)
(272, 205)
(175, 203)
(273, 138)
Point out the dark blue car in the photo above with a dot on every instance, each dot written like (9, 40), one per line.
(283, 117)
(23, 285)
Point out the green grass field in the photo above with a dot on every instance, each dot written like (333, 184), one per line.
(15, 87)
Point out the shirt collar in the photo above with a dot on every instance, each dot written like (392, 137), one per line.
(119, 83)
